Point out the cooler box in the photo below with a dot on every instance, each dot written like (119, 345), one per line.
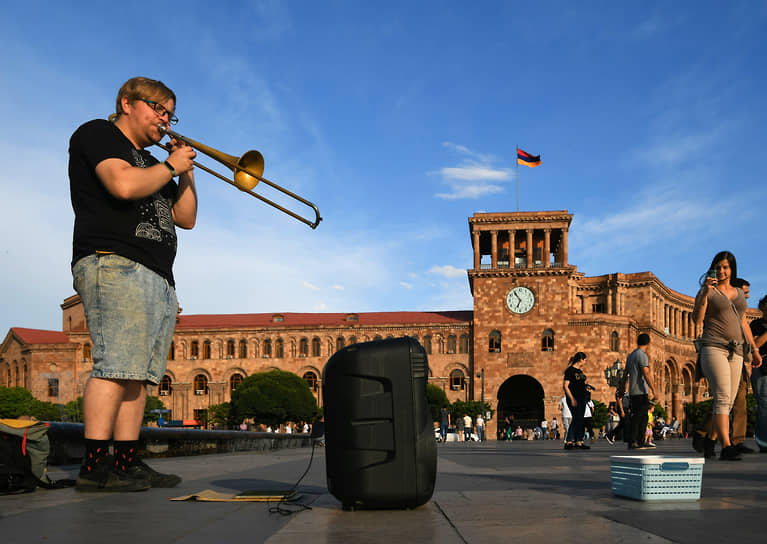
(380, 450)
(657, 477)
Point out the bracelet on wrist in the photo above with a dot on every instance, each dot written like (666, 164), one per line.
(173, 173)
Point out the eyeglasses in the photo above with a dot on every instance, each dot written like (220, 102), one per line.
(161, 110)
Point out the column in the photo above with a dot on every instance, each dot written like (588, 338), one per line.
(564, 247)
(476, 249)
(512, 236)
(529, 248)
(546, 248)
(494, 250)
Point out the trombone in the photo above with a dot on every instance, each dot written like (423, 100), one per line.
(248, 170)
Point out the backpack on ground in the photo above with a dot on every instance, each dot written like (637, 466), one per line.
(24, 449)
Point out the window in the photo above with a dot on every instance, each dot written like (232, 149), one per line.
(427, 343)
(303, 347)
(277, 318)
(243, 349)
(194, 351)
(614, 341)
(234, 382)
(200, 384)
(206, 349)
(495, 342)
(172, 352)
(547, 340)
(352, 340)
(279, 348)
(229, 349)
(451, 343)
(457, 380)
(463, 344)
(53, 387)
(339, 343)
(352, 317)
(165, 386)
(87, 352)
(316, 347)
(378, 337)
(311, 379)
(598, 308)
(267, 348)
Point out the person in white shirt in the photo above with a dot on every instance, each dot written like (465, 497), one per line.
(567, 417)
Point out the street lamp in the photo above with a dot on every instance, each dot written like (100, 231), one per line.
(614, 374)
(481, 375)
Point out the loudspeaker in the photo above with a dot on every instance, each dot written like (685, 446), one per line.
(379, 438)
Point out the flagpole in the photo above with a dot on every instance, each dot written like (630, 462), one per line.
(516, 161)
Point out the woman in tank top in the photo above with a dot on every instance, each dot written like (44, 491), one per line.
(721, 308)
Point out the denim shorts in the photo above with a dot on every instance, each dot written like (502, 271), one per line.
(131, 312)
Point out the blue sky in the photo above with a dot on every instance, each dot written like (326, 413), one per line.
(399, 120)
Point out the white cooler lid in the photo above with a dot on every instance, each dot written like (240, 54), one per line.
(655, 459)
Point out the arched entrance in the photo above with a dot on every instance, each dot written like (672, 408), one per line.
(520, 397)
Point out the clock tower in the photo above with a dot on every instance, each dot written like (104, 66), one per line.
(521, 285)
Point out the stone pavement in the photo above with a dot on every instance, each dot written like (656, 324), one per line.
(490, 492)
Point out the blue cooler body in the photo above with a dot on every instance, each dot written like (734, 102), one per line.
(379, 437)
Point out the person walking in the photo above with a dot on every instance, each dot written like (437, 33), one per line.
(480, 428)
(639, 381)
(759, 377)
(467, 427)
(725, 343)
(576, 387)
(567, 417)
(127, 205)
(444, 423)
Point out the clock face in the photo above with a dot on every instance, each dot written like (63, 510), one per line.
(520, 300)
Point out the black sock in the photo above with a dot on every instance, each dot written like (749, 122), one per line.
(96, 452)
(126, 453)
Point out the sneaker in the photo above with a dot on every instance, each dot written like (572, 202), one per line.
(742, 448)
(698, 441)
(157, 479)
(651, 445)
(582, 447)
(108, 479)
(730, 453)
(608, 439)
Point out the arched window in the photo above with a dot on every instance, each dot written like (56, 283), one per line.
(547, 340)
(339, 343)
(495, 342)
(316, 347)
(172, 352)
(230, 349)
(614, 341)
(200, 384)
(243, 349)
(194, 350)
(457, 380)
(463, 344)
(427, 343)
(352, 340)
(303, 347)
(165, 386)
(378, 337)
(87, 351)
(235, 381)
(206, 349)
(279, 348)
(267, 348)
(311, 379)
(451, 343)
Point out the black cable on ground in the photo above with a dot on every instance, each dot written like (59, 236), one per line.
(285, 507)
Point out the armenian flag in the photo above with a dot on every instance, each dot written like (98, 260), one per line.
(526, 159)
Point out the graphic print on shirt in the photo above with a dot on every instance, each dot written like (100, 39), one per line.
(156, 219)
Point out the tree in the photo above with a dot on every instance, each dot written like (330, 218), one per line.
(152, 403)
(219, 415)
(273, 398)
(15, 402)
(599, 415)
(472, 407)
(436, 398)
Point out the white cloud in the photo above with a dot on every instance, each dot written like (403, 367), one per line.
(310, 286)
(406, 285)
(448, 271)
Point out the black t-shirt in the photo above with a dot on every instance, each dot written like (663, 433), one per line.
(758, 328)
(577, 380)
(140, 230)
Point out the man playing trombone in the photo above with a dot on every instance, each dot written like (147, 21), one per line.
(127, 204)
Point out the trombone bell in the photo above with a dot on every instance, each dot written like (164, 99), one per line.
(251, 161)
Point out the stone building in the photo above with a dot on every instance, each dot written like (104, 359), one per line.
(532, 311)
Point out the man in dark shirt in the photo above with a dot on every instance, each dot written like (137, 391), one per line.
(759, 377)
(126, 206)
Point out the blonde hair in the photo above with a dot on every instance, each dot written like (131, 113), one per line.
(141, 88)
